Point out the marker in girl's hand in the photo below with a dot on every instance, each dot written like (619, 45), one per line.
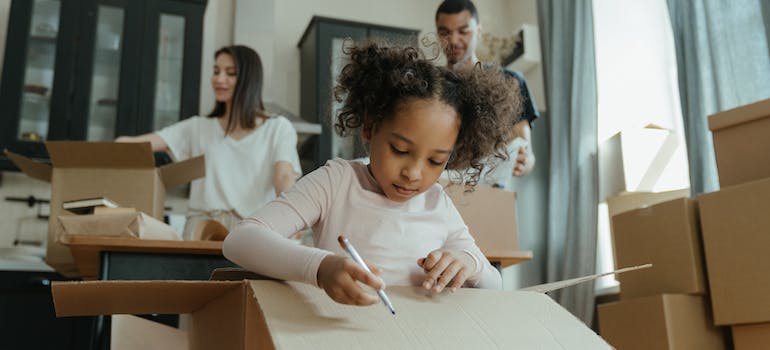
(345, 244)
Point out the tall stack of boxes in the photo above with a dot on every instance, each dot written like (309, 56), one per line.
(710, 256)
(736, 224)
(663, 307)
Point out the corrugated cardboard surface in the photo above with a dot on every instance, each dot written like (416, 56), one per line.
(667, 235)
(751, 336)
(661, 322)
(292, 315)
(132, 333)
(490, 214)
(741, 143)
(133, 224)
(736, 240)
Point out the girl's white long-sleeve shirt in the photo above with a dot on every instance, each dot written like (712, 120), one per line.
(342, 197)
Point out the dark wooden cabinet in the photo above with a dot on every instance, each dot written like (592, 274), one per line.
(28, 319)
(96, 69)
(321, 59)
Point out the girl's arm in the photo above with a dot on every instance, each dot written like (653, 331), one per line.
(283, 176)
(156, 142)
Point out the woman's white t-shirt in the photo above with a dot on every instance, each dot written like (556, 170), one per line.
(239, 173)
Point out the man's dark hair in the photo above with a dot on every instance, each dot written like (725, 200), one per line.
(456, 6)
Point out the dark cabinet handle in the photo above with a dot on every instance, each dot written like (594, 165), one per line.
(38, 281)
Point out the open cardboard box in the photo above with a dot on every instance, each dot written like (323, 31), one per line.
(490, 214)
(123, 172)
(269, 314)
(624, 166)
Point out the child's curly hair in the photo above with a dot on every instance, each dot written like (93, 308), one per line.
(380, 78)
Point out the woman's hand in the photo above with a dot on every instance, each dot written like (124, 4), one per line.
(338, 275)
(444, 266)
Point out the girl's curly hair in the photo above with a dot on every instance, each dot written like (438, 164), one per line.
(380, 78)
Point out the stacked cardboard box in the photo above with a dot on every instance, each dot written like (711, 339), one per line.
(670, 295)
(736, 227)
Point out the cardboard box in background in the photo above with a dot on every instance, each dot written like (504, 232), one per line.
(132, 224)
(660, 322)
(293, 315)
(751, 336)
(123, 172)
(627, 201)
(736, 239)
(641, 160)
(741, 143)
(490, 214)
(667, 235)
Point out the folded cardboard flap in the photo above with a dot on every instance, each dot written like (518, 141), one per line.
(179, 173)
(130, 224)
(135, 297)
(33, 169)
(739, 115)
(293, 315)
(74, 154)
(549, 287)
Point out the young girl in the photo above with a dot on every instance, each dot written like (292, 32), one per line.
(240, 141)
(417, 119)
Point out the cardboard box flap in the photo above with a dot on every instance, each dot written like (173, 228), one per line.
(298, 314)
(30, 167)
(135, 297)
(179, 173)
(548, 287)
(79, 154)
(739, 115)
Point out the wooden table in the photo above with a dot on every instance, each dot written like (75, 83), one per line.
(504, 258)
(87, 250)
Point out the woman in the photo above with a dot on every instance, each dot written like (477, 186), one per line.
(251, 156)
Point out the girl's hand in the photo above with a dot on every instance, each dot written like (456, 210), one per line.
(444, 266)
(338, 275)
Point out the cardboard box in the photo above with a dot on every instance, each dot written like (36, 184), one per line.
(667, 235)
(133, 224)
(490, 214)
(741, 143)
(751, 336)
(628, 201)
(660, 322)
(292, 315)
(641, 160)
(123, 172)
(736, 242)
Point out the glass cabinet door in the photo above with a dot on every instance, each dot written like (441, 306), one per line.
(39, 71)
(170, 60)
(105, 80)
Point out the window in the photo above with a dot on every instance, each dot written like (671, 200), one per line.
(637, 85)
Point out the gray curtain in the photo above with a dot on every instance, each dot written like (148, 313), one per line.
(567, 42)
(722, 60)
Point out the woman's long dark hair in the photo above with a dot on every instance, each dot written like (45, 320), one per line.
(247, 96)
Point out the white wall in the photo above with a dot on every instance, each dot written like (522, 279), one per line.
(217, 32)
(274, 28)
